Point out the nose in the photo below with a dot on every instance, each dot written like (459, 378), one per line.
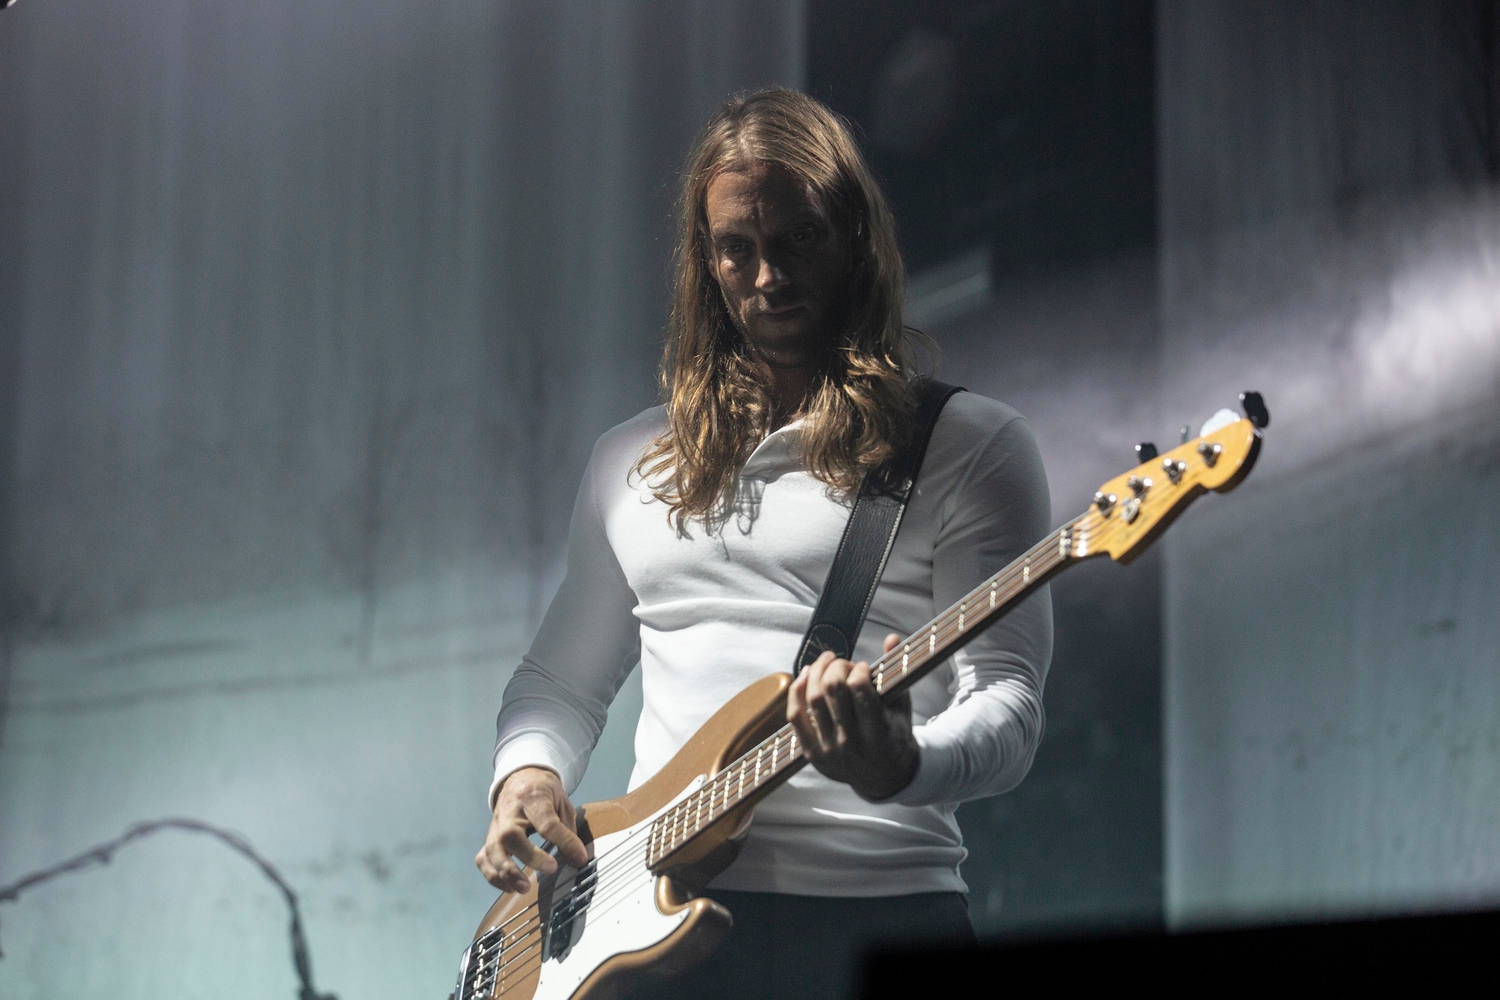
(769, 277)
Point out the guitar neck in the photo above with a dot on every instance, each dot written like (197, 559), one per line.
(776, 758)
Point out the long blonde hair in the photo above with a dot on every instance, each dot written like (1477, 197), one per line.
(718, 405)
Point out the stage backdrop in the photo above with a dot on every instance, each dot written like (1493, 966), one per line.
(319, 311)
(1331, 235)
(310, 313)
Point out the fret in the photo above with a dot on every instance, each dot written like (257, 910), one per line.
(783, 750)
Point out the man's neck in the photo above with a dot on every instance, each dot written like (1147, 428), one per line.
(790, 388)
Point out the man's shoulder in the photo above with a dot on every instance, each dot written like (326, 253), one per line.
(977, 437)
(969, 420)
(619, 448)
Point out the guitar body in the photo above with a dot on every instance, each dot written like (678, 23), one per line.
(586, 933)
(581, 934)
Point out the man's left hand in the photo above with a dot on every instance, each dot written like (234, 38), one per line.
(848, 732)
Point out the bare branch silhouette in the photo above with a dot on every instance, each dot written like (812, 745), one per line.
(102, 854)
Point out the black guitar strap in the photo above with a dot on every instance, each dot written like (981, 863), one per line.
(869, 537)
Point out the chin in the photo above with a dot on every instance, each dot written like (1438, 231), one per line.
(787, 334)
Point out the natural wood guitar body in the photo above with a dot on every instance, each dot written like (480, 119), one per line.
(633, 909)
(745, 720)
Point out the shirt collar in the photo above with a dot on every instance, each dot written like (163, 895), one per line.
(778, 450)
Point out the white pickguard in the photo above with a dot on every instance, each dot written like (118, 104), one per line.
(622, 917)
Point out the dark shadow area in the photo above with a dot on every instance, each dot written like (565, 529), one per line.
(1078, 843)
(1026, 132)
(1423, 953)
(1022, 125)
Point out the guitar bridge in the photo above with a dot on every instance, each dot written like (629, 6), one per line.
(479, 968)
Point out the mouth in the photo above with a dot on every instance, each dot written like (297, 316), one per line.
(783, 312)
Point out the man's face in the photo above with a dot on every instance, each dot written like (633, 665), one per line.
(781, 264)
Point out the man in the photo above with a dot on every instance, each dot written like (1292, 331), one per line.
(700, 542)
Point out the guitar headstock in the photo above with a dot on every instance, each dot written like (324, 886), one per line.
(1130, 510)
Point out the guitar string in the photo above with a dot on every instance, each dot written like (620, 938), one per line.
(602, 870)
(608, 895)
(602, 863)
(943, 629)
(534, 937)
(943, 626)
(641, 847)
(603, 898)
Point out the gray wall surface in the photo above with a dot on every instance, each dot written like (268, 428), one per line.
(319, 310)
(309, 314)
(1079, 843)
(1331, 235)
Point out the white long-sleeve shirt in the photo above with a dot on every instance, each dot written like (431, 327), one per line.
(705, 613)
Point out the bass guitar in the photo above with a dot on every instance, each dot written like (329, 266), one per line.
(636, 907)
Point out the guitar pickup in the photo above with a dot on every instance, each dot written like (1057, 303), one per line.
(569, 911)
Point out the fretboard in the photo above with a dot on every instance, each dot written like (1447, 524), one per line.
(779, 756)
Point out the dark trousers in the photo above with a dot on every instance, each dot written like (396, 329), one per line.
(787, 947)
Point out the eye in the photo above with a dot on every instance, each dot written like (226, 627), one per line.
(803, 234)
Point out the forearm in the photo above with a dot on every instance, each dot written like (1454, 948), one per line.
(545, 723)
(557, 701)
(984, 743)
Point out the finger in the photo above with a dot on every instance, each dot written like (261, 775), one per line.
(796, 697)
(807, 735)
(840, 703)
(516, 844)
(562, 835)
(801, 721)
(796, 712)
(891, 642)
(871, 722)
(817, 707)
(500, 871)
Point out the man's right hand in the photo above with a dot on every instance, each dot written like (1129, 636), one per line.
(531, 800)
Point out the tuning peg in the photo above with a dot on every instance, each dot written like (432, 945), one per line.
(1145, 451)
(1187, 434)
(1255, 409)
